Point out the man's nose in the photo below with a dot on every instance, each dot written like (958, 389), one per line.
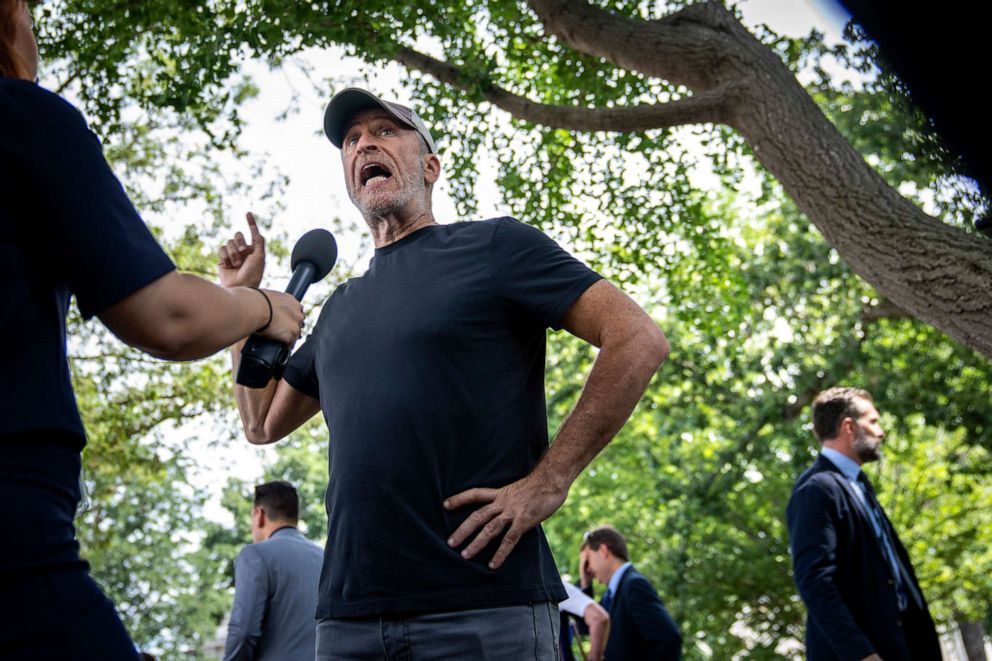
(366, 142)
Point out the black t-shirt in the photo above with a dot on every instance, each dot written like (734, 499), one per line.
(66, 227)
(430, 373)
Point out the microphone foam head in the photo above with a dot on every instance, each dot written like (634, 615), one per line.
(319, 248)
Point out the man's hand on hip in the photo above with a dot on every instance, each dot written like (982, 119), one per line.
(516, 508)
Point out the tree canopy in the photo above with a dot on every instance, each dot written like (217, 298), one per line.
(594, 90)
(582, 109)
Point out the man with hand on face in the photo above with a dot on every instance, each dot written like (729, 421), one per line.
(275, 583)
(429, 370)
(640, 627)
(852, 571)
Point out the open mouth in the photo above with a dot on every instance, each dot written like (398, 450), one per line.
(373, 173)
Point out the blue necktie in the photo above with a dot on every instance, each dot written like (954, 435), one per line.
(903, 581)
(605, 601)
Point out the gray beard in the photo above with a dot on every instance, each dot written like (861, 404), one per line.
(403, 199)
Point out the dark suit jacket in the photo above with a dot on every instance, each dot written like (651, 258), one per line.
(845, 579)
(640, 627)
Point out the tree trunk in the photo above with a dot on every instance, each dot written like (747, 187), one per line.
(938, 273)
(973, 635)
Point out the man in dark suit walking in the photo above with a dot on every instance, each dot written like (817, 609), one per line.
(853, 573)
(640, 627)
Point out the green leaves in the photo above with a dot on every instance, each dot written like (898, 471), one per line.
(760, 311)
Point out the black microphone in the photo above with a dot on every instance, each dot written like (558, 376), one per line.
(263, 359)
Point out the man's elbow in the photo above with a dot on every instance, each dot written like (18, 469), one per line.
(257, 434)
(654, 345)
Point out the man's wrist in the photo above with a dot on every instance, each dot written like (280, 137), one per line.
(551, 479)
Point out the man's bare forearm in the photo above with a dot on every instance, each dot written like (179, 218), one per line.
(632, 347)
(616, 383)
(599, 630)
(253, 403)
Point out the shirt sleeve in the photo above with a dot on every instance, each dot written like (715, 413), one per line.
(251, 589)
(577, 601)
(91, 233)
(535, 276)
(301, 371)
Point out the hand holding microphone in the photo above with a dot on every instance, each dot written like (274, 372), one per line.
(265, 354)
(242, 265)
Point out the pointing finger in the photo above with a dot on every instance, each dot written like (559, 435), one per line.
(256, 236)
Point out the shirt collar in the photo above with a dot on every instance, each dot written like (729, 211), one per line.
(289, 530)
(847, 466)
(615, 579)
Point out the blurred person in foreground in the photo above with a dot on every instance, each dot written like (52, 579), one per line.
(429, 370)
(68, 229)
(853, 573)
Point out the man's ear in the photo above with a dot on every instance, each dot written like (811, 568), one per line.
(261, 516)
(432, 168)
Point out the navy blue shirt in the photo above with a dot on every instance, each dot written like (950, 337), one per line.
(66, 228)
(429, 369)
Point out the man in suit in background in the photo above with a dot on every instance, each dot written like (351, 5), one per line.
(854, 574)
(275, 583)
(640, 627)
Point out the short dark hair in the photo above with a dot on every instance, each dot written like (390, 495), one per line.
(831, 407)
(279, 500)
(608, 536)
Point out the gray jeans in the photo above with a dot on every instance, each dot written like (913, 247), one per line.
(510, 633)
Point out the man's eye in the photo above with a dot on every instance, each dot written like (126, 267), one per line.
(386, 131)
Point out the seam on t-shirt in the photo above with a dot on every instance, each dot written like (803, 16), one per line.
(492, 249)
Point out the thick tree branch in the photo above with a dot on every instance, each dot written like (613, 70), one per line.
(684, 47)
(713, 105)
(935, 272)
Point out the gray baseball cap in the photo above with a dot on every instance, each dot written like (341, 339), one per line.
(349, 102)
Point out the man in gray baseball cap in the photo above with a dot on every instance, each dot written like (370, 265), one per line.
(353, 100)
(429, 371)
